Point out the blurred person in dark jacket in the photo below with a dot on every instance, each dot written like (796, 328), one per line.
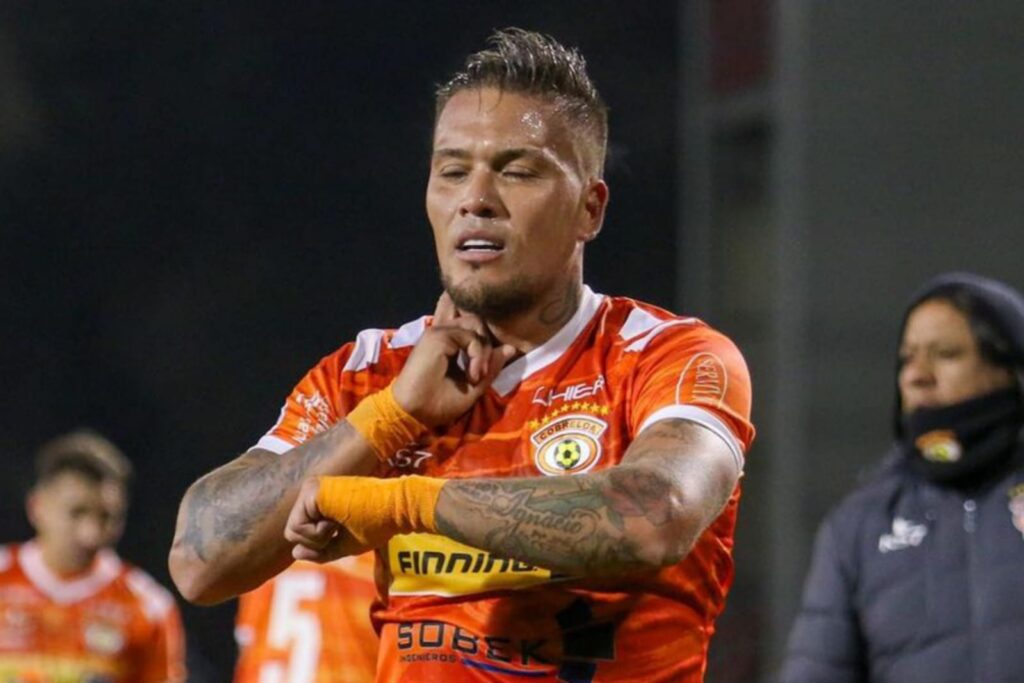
(919, 574)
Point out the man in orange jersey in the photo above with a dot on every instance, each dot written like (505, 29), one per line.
(70, 609)
(575, 457)
(309, 624)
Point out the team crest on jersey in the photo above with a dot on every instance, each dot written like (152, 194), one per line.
(103, 638)
(570, 444)
(1016, 495)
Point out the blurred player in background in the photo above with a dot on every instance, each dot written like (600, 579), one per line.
(309, 624)
(70, 609)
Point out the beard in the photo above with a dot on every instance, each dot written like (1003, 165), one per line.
(492, 301)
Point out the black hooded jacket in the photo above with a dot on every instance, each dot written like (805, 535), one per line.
(915, 582)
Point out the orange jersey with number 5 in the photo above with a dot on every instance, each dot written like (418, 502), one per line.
(309, 624)
(568, 407)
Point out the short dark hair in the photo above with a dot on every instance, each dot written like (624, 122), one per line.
(531, 63)
(86, 453)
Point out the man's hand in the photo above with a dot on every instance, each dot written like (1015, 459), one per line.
(432, 387)
(316, 537)
(336, 516)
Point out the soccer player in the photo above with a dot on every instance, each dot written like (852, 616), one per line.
(309, 624)
(573, 458)
(70, 608)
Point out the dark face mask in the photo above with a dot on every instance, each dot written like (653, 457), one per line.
(964, 442)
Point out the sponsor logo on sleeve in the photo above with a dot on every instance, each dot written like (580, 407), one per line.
(317, 417)
(704, 379)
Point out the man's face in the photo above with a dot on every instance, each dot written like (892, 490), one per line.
(939, 360)
(72, 520)
(508, 201)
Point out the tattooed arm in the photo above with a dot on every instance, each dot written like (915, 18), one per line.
(228, 538)
(645, 513)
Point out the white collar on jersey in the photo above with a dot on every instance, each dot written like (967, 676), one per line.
(104, 570)
(551, 350)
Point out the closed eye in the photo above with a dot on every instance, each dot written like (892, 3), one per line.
(452, 172)
(518, 172)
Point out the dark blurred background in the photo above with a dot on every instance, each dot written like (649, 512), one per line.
(199, 200)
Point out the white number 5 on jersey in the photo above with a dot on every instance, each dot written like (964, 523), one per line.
(293, 629)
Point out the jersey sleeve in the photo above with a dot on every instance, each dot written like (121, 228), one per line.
(339, 382)
(311, 407)
(697, 374)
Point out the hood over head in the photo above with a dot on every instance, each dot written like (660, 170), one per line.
(995, 312)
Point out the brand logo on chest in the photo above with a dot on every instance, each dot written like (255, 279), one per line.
(905, 534)
(547, 396)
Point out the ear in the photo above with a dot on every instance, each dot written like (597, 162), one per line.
(594, 205)
(32, 504)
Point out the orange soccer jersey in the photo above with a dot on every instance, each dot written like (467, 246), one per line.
(570, 406)
(309, 624)
(113, 624)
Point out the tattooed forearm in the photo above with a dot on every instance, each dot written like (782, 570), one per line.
(645, 513)
(230, 532)
(225, 506)
(579, 525)
(226, 503)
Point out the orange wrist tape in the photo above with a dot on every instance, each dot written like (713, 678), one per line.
(384, 424)
(373, 510)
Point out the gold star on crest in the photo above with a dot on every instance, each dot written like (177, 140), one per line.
(593, 408)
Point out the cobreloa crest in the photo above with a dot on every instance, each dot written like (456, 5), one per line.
(940, 445)
(570, 444)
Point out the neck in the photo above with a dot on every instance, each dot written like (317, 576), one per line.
(58, 562)
(532, 328)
